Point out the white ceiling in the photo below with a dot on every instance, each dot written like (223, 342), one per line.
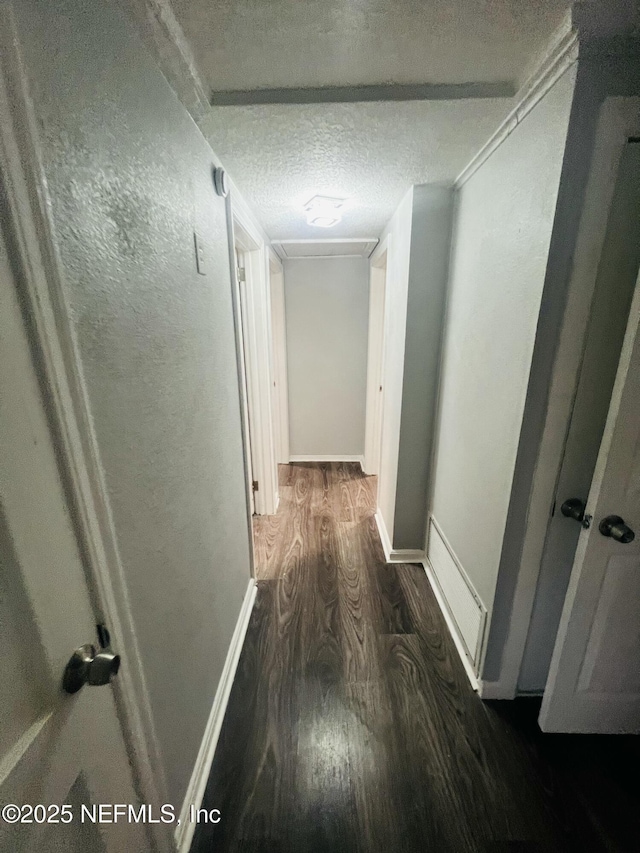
(281, 155)
(246, 44)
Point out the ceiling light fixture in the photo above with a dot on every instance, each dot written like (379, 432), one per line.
(324, 211)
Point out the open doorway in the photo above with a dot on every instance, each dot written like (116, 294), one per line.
(254, 340)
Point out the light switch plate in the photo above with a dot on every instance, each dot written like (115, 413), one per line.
(199, 247)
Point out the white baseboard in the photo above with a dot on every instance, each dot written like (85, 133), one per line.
(395, 555)
(384, 536)
(198, 782)
(496, 690)
(327, 458)
(451, 625)
(406, 555)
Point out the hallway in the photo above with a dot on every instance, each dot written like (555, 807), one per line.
(351, 724)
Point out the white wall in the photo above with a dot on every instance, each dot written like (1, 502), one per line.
(129, 178)
(327, 315)
(428, 279)
(504, 222)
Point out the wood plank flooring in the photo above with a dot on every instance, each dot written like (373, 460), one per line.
(352, 726)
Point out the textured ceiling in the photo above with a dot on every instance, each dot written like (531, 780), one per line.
(244, 44)
(280, 156)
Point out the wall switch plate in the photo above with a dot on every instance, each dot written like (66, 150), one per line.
(199, 247)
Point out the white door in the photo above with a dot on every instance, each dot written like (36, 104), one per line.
(594, 680)
(58, 752)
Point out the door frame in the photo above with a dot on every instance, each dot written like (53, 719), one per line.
(378, 279)
(279, 356)
(257, 367)
(42, 275)
(243, 372)
(618, 120)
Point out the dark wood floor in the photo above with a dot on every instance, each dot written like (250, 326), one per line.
(352, 726)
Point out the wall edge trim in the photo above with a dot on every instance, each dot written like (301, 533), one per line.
(326, 457)
(202, 767)
(560, 55)
(495, 690)
(164, 37)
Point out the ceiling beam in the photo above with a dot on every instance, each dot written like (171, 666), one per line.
(354, 94)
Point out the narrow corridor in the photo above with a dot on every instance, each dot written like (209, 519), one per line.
(352, 725)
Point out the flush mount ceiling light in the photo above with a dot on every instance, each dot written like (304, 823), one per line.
(324, 211)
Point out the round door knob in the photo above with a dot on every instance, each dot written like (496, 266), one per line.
(86, 666)
(573, 508)
(615, 527)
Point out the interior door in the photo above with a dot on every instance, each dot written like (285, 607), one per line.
(58, 752)
(614, 288)
(594, 680)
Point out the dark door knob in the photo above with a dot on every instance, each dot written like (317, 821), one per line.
(615, 527)
(88, 666)
(573, 508)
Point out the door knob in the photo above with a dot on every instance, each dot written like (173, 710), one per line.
(86, 666)
(615, 527)
(574, 508)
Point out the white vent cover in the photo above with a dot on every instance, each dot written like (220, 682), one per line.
(464, 605)
(351, 247)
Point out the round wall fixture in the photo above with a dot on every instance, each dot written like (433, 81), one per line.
(221, 182)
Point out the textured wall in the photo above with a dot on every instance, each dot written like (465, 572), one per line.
(327, 316)
(129, 177)
(428, 273)
(503, 230)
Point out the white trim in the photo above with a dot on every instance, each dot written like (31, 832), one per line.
(475, 655)
(378, 263)
(327, 240)
(322, 257)
(618, 120)
(560, 55)
(369, 245)
(21, 166)
(165, 39)
(451, 625)
(202, 768)
(406, 555)
(279, 358)
(327, 457)
(255, 298)
(384, 535)
(494, 690)
(392, 555)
